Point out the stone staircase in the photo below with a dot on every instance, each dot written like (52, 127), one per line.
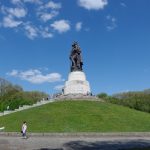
(39, 103)
(56, 98)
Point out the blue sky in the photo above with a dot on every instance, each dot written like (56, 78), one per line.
(114, 35)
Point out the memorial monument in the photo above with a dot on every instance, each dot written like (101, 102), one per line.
(76, 83)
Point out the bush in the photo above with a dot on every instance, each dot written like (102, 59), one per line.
(135, 100)
(102, 95)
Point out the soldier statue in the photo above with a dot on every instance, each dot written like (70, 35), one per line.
(75, 57)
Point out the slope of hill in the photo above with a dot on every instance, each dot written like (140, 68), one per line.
(78, 116)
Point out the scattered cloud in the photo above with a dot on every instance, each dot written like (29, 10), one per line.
(43, 22)
(20, 2)
(33, 1)
(16, 1)
(18, 15)
(44, 68)
(53, 5)
(15, 12)
(48, 11)
(48, 16)
(10, 22)
(61, 26)
(93, 4)
(45, 33)
(58, 87)
(35, 76)
(12, 16)
(78, 26)
(123, 4)
(87, 29)
(13, 73)
(112, 22)
(32, 31)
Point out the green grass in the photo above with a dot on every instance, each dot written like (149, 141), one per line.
(78, 116)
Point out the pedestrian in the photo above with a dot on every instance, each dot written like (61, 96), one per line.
(24, 130)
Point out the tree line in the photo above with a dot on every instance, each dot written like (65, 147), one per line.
(12, 96)
(139, 100)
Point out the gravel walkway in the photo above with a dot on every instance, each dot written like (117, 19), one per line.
(73, 143)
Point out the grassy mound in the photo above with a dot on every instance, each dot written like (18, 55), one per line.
(78, 116)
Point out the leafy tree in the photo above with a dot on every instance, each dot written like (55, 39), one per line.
(14, 96)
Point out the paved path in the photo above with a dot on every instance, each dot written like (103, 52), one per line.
(73, 143)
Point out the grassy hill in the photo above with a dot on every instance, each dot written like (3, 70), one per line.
(78, 116)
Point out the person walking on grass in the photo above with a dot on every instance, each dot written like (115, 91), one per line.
(24, 130)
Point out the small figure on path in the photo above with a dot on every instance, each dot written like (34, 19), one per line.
(24, 130)
(7, 107)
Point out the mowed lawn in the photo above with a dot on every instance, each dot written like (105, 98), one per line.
(78, 116)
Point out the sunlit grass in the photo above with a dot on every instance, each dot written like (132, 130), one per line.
(78, 116)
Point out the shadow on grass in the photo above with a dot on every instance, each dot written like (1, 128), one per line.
(105, 145)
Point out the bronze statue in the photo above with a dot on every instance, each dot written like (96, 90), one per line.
(75, 57)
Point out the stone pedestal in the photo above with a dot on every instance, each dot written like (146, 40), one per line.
(77, 84)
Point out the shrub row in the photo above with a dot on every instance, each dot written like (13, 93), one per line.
(136, 100)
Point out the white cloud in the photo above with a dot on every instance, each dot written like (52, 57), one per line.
(33, 1)
(53, 5)
(58, 87)
(31, 31)
(45, 33)
(61, 26)
(49, 10)
(13, 73)
(17, 12)
(112, 23)
(16, 1)
(93, 4)
(78, 26)
(35, 76)
(11, 16)
(10, 22)
(47, 16)
(50, 5)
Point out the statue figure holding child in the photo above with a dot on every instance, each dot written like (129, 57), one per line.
(76, 58)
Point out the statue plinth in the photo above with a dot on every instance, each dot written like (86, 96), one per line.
(77, 84)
